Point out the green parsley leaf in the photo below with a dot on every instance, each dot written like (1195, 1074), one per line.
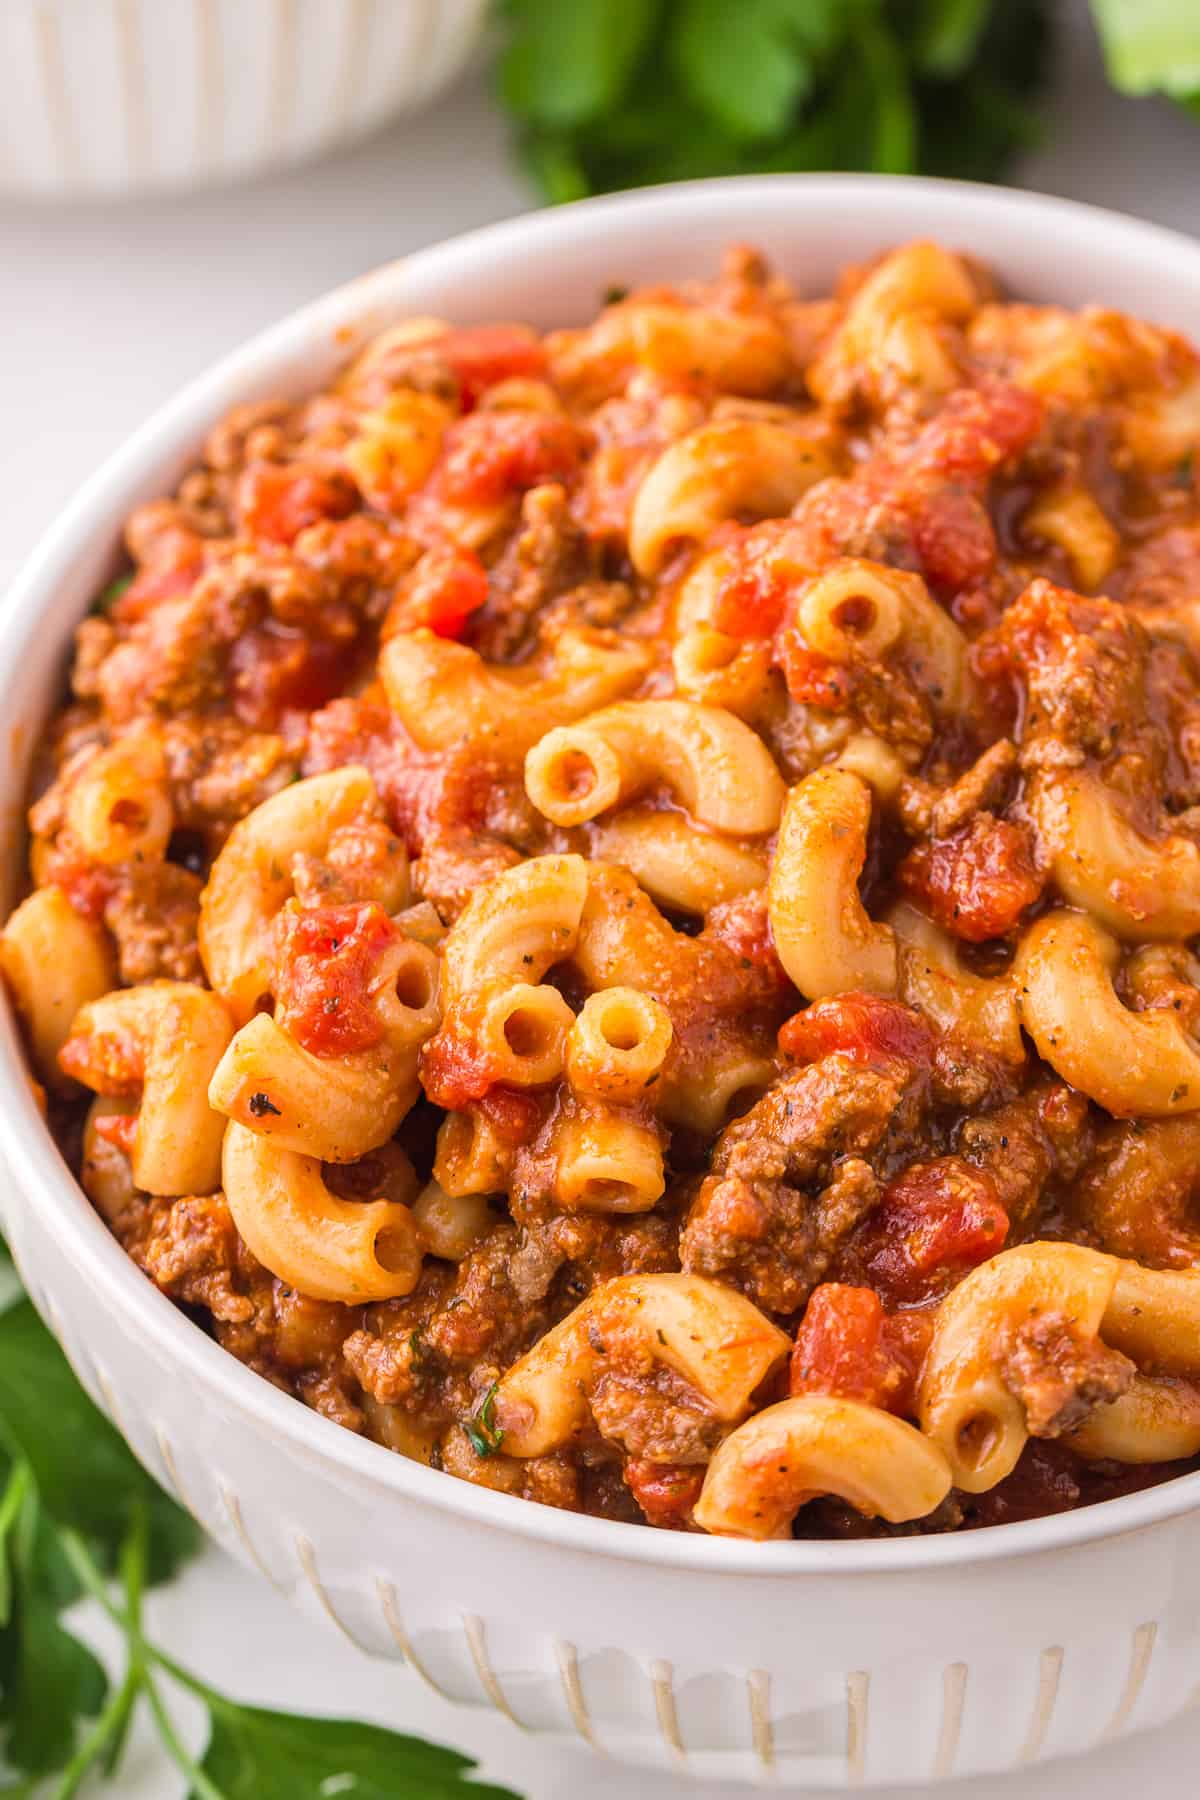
(555, 166)
(946, 35)
(86, 1476)
(258, 1755)
(970, 128)
(49, 1682)
(108, 596)
(1150, 45)
(894, 146)
(568, 63)
(10, 1512)
(483, 1434)
(752, 72)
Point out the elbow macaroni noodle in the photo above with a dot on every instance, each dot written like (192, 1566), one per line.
(160, 1044)
(444, 693)
(730, 468)
(607, 1162)
(1158, 1420)
(120, 807)
(55, 962)
(330, 1249)
(934, 980)
(521, 924)
(1138, 888)
(618, 1044)
(680, 865)
(785, 1455)
(826, 941)
(1129, 1062)
(713, 1338)
(720, 770)
(1071, 518)
(252, 878)
(601, 911)
(966, 1405)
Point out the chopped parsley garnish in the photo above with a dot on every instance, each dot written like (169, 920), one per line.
(483, 1434)
(108, 596)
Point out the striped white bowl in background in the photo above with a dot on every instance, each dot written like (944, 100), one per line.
(113, 97)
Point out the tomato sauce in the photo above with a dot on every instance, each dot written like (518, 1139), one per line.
(326, 962)
(850, 1347)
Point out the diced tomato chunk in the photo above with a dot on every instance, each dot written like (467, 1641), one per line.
(976, 430)
(935, 1221)
(762, 576)
(279, 500)
(750, 602)
(482, 355)
(743, 926)
(514, 1114)
(666, 1492)
(365, 730)
(813, 679)
(447, 586)
(88, 886)
(118, 1129)
(173, 573)
(455, 1067)
(273, 671)
(111, 1062)
(863, 1026)
(953, 537)
(492, 454)
(837, 1344)
(925, 508)
(327, 975)
(849, 1346)
(997, 686)
(977, 882)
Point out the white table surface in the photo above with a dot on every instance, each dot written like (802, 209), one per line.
(103, 313)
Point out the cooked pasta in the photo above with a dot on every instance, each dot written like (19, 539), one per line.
(825, 938)
(330, 1249)
(776, 1462)
(617, 1046)
(55, 960)
(617, 910)
(159, 1045)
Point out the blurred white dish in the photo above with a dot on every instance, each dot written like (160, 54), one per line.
(812, 1664)
(113, 97)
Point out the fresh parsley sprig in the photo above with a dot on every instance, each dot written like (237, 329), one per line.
(80, 1516)
(484, 1434)
(621, 93)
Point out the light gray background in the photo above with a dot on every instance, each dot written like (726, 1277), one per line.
(103, 313)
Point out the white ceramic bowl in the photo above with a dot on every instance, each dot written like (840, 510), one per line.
(818, 1664)
(117, 96)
